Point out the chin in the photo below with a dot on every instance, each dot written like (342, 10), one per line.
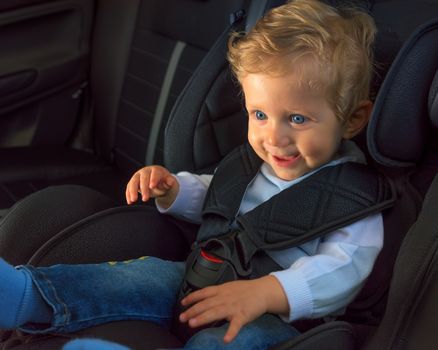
(286, 176)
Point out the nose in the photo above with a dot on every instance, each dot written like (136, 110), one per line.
(278, 135)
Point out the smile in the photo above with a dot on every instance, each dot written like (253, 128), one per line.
(285, 161)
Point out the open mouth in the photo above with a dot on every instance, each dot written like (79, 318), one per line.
(285, 161)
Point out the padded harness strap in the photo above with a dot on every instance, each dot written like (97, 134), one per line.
(331, 198)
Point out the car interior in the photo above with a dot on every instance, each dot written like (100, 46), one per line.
(94, 90)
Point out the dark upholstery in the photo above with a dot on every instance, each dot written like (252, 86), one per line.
(217, 123)
(406, 123)
(398, 136)
(39, 217)
(133, 43)
(410, 318)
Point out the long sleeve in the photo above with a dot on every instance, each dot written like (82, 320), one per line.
(190, 198)
(326, 282)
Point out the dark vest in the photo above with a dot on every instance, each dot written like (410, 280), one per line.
(331, 198)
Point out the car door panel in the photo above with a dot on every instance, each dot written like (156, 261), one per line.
(44, 63)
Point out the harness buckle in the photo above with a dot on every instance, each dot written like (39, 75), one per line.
(213, 262)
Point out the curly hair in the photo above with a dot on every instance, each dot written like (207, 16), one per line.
(338, 40)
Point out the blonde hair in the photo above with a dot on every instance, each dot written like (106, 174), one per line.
(339, 39)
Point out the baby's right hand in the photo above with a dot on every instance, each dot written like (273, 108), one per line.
(152, 182)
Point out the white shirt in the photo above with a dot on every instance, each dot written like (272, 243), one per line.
(320, 277)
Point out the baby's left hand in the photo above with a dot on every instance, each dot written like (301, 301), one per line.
(238, 302)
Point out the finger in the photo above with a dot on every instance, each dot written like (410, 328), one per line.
(208, 316)
(144, 184)
(233, 329)
(199, 295)
(155, 177)
(170, 180)
(133, 187)
(127, 195)
(199, 308)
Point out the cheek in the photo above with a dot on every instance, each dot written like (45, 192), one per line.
(311, 146)
(253, 135)
(317, 146)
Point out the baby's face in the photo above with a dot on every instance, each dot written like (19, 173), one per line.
(291, 126)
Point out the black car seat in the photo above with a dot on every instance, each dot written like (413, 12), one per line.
(207, 126)
(144, 52)
(401, 135)
(410, 319)
(408, 322)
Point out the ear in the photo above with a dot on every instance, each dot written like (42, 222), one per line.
(358, 119)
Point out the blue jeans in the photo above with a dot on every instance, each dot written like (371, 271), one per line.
(143, 289)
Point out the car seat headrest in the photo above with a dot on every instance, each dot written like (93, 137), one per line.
(257, 9)
(433, 101)
(400, 122)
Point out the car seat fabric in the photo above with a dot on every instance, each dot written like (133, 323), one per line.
(132, 337)
(409, 79)
(38, 217)
(139, 67)
(195, 25)
(331, 336)
(101, 233)
(212, 100)
(398, 135)
(409, 321)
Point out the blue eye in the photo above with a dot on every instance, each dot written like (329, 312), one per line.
(297, 118)
(260, 115)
